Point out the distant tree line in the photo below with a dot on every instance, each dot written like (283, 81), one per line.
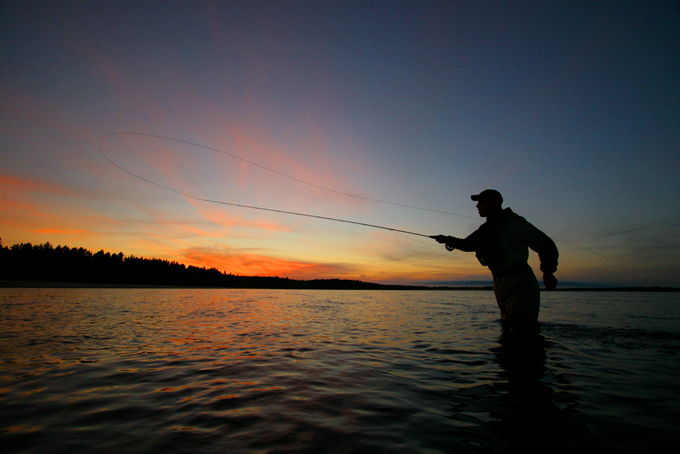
(43, 262)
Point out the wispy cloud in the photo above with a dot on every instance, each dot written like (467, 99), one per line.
(221, 219)
(302, 168)
(15, 187)
(251, 262)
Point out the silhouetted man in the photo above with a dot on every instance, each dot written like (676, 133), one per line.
(502, 243)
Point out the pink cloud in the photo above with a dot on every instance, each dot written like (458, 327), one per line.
(222, 219)
(308, 171)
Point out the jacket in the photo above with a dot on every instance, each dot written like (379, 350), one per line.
(502, 243)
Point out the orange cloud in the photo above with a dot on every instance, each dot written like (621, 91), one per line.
(221, 219)
(200, 232)
(79, 232)
(10, 185)
(251, 264)
(17, 195)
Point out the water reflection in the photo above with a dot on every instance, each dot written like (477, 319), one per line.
(262, 371)
(535, 409)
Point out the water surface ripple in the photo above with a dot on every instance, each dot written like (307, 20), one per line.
(275, 371)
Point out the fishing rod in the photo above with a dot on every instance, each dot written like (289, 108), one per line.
(252, 207)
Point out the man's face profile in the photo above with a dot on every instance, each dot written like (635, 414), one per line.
(485, 207)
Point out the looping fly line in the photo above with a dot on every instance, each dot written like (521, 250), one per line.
(268, 169)
(273, 210)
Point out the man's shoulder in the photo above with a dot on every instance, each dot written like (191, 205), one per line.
(509, 215)
(510, 218)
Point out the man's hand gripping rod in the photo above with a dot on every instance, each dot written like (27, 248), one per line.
(443, 239)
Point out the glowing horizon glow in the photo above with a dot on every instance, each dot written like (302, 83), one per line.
(571, 112)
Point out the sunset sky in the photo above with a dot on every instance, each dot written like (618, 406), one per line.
(571, 109)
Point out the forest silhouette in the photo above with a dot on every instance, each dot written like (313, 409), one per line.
(62, 264)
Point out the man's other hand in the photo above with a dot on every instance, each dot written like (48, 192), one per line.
(550, 281)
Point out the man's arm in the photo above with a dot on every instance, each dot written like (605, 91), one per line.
(547, 254)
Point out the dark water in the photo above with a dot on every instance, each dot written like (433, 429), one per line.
(253, 371)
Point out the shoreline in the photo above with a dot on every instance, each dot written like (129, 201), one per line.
(49, 284)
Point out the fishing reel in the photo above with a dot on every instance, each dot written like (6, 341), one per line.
(441, 239)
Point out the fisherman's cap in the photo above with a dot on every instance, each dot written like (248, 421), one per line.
(489, 194)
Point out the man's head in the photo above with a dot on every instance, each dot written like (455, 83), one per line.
(489, 202)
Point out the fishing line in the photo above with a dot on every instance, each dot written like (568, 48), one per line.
(277, 172)
(273, 210)
(252, 207)
(589, 250)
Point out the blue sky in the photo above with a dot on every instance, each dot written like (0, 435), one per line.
(570, 109)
